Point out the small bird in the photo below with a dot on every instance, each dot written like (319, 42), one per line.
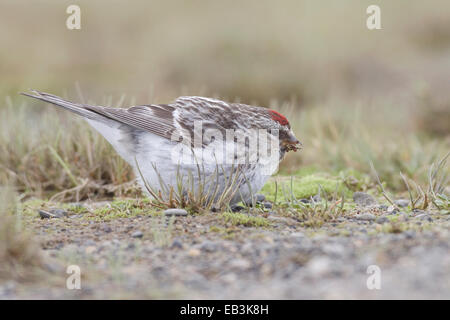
(194, 141)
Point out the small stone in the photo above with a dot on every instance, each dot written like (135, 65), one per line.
(366, 217)
(208, 246)
(53, 213)
(319, 266)
(137, 234)
(363, 199)
(425, 217)
(382, 220)
(59, 212)
(260, 198)
(175, 212)
(409, 234)
(401, 203)
(177, 244)
(237, 208)
(90, 250)
(107, 229)
(391, 210)
(267, 205)
(194, 252)
(45, 215)
(240, 264)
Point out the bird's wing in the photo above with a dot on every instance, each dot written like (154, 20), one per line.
(157, 119)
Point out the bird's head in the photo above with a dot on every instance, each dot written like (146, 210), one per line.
(288, 141)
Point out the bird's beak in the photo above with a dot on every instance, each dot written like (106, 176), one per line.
(291, 143)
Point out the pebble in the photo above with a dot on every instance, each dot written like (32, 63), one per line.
(175, 212)
(382, 220)
(363, 199)
(319, 266)
(107, 229)
(177, 244)
(409, 234)
(267, 205)
(366, 217)
(52, 213)
(258, 198)
(45, 215)
(237, 208)
(208, 246)
(424, 216)
(391, 210)
(137, 234)
(194, 252)
(240, 264)
(402, 203)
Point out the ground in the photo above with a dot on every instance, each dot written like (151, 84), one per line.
(128, 249)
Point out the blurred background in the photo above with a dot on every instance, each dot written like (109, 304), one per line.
(354, 95)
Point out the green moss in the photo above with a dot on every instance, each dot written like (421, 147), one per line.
(237, 219)
(216, 229)
(123, 208)
(304, 187)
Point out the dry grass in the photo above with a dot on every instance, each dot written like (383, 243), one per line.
(47, 152)
(19, 255)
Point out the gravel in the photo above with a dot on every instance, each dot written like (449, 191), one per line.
(202, 257)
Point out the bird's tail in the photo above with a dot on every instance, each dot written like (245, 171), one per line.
(74, 107)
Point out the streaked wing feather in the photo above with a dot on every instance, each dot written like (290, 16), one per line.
(157, 119)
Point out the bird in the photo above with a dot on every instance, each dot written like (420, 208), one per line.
(198, 144)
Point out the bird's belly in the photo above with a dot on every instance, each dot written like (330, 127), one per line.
(186, 170)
